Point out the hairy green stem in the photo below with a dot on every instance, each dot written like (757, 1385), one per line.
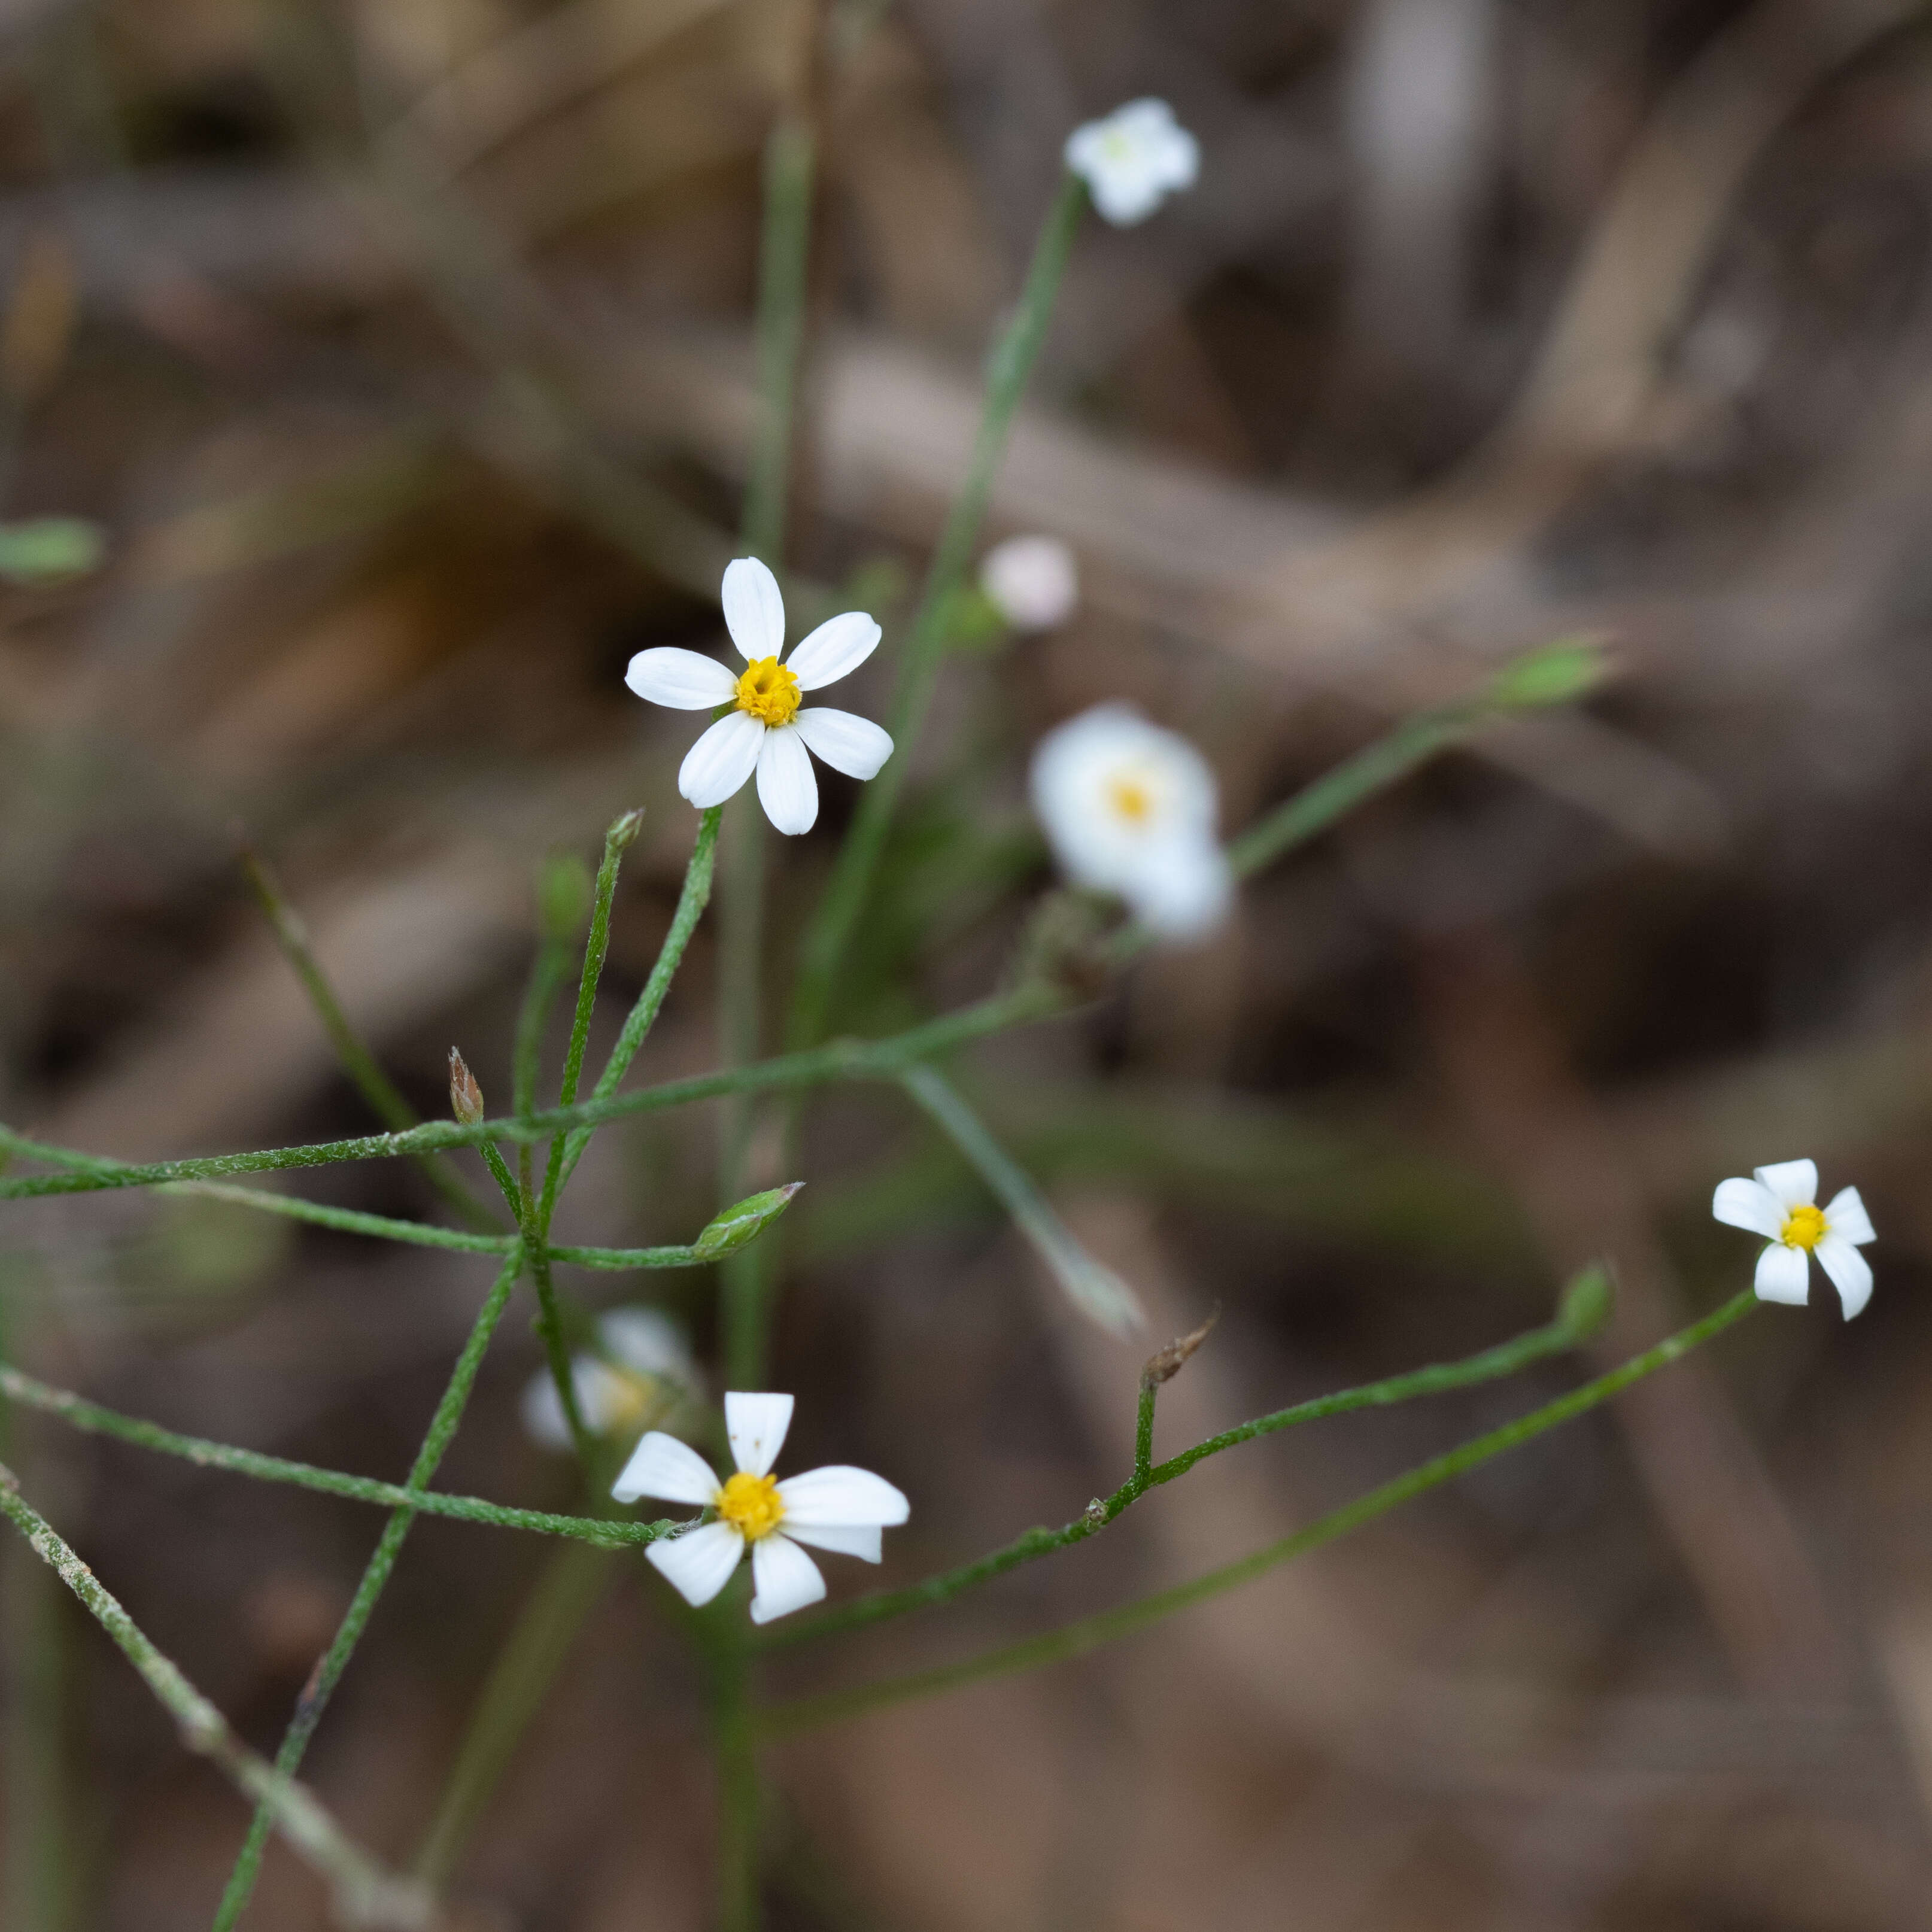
(1008, 369)
(1076, 1639)
(364, 1895)
(604, 1103)
(93, 1420)
(329, 1670)
(1573, 1326)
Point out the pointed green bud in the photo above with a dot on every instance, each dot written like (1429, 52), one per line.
(623, 831)
(1558, 674)
(737, 1225)
(1587, 1301)
(465, 1097)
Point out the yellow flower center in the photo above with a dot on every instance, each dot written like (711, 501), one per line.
(768, 691)
(1130, 800)
(1804, 1228)
(751, 1505)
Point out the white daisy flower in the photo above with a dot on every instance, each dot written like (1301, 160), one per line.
(1033, 582)
(1130, 808)
(643, 1370)
(1133, 159)
(767, 729)
(1779, 1205)
(836, 1508)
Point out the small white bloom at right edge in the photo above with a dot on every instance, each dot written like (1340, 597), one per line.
(1032, 581)
(1133, 159)
(1780, 1205)
(1130, 808)
(837, 1508)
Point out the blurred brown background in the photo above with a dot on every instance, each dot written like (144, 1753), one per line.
(401, 352)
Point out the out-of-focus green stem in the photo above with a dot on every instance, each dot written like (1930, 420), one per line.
(353, 1054)
(36, 1895)
(1074, 1640)
(1008, 369)
(512, 1696)
(329, 1670)
(1098, 1292)
(365, 1894)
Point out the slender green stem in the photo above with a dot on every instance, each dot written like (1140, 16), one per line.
(363, 1893)
(607, 1533)
(617, 841)
(565, 1595)
(1074, 1640)
(559, 887)
(414, 1234)
(604, 1102)
(1581, 1310)
(37, 1891)
(353, 1055)
(550, 1322)
(1008, 369)
(1520, 686)
(1098, 1292)
(329, 1670)
(839, 1059)
(1554, 673)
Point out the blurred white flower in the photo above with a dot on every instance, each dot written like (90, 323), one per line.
(766, 730)
(1133, 159)
(1780, 1205)
(836, 1508)
(644, 1371)
(1033, 582)
(1130, 808)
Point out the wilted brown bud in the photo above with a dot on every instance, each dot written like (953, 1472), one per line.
(1166, 1365)
(465, 1097)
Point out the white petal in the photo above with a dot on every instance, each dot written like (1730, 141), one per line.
(1739, 1203)
(662, 1466)
(757, 1425)
(648, 1340)
(839, 645)
(1182, 891)
(845, 1539)
(1783, 1274)
(1794, 1182)
(543, 1414)
(682, 679)
(698, 1563)
(721, 761)
(788, 1579)
(1850, 1272)
(787, 788)
(1846, 1217)
(841, 1494)
(848, 743)
(754, 608)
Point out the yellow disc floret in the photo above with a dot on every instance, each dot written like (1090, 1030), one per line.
(751, 1505)
(1804, 1228)
(769, 690)
(1130, 800)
